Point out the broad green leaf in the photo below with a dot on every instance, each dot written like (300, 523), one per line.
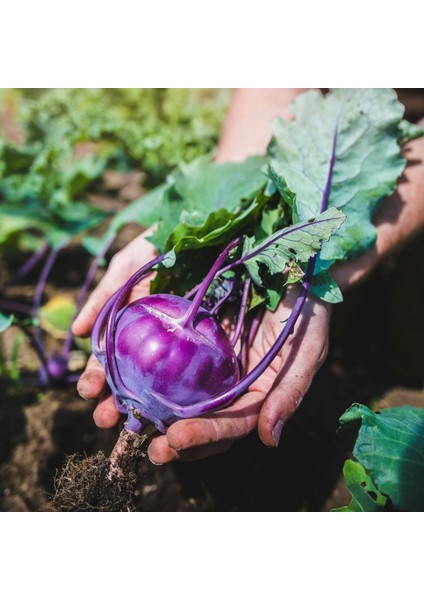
(5, 321)
(367, 125)
(365, 496)
(325, 288)
(281, 186)
(56, 316)
(390, 446)
(219, 227)
(209, 186)
(203, 193)
(58, 226)
(295, 243)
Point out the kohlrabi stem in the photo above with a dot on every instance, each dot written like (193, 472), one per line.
(15, 306)
(249, 335)
(39, 350)
(83, 292)
(38, 296)
(191, 313)
(43, 278)
(240, 319)
(216, 308)
(32, 261)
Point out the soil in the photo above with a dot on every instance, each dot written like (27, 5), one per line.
(375, 355)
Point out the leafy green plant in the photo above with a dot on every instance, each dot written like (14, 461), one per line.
(388, 471)
(67, 140)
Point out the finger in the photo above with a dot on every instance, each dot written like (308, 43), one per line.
(190, 439)
(106, 415)
(92, 382)
(159, 451)
(84, 322)
(122, 266)
(289, 388)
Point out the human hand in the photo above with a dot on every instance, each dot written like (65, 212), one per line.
(270, 401)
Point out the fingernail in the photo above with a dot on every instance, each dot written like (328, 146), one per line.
(276, 432)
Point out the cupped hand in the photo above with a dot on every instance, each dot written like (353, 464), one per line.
(270, 401)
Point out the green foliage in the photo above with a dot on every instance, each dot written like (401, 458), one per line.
(368, 161)
(5, 321)
(365, 496)
(390, 448)
(57, 314)
(198, 199)
(202, 204)
(296, 243)
(70, 136)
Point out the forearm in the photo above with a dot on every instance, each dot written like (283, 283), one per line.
(248, 126)
(398, 219)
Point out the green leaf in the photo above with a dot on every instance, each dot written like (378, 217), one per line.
(5, 321)
(219, 227)
(295, 243)
(365, 496)
(368, 161)
(56, 316)
(195, 198)
(205, 187)
(281, 186)
(325, 288)
(390, 446)
(408, 131)
(58, 226)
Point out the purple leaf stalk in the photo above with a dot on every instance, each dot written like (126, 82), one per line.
(54, 366)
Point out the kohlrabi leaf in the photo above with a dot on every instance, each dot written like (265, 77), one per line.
(390, 446)
(367, 128)
(56, 315)
(365, 495)
(219, 227)
(190, 197)
(324, 287)
(58, 226)
(295, 243)
(204, 187)
(5, 321)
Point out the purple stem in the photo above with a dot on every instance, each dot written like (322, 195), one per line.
(191, 313)
(249, 336)
(33, 260)
(14, 306)
(43, 278)
(39, 350)
(218, 305)
(240, 319)
(82, 294)
(37, 304)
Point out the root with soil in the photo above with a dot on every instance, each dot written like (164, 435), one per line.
(101, 484)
